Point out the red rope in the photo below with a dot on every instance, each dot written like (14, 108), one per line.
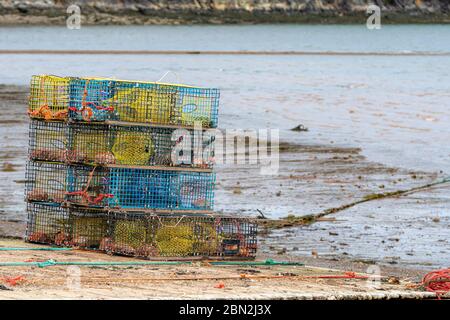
(437, 281)
(85, 195)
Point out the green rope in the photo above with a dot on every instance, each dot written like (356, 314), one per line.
(51, 262)
(37, 249)
(268, 262)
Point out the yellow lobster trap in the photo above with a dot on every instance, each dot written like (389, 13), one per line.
(49, 97)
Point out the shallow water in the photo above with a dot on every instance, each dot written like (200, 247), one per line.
(396, 109)
(338, 38)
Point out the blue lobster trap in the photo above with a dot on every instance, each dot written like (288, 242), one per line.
(161, 189)
(89, 99)
(120, 187)
(99, 99)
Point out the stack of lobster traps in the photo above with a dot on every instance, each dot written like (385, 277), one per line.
(125, 167)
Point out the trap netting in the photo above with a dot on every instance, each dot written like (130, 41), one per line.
(150, 235)
(120, 187)
(99, 99)
(104, 144)
(48, 141)
(142, 234)
(46, 182)
(161, 189)
(49, 97)
(61, 226)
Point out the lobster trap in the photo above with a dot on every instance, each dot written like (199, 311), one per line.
(49, 97)
(48, 141)
(46, 182)
(104, 144)
(62, 226)
(150, 235)
(161, 189)
(143, 102)
(115, 166)
(144, 235)
(118, 187)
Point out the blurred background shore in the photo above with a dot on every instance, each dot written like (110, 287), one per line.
(50, 12)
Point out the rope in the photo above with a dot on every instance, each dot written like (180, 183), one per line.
(268, 262)
(437, 282)
(51, 262)
(164, 225)
(85, 195)
(167, 72)
(35, 249)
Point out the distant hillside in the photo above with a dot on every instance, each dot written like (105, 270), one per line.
(222, 11)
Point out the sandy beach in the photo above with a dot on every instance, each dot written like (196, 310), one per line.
(200, 280)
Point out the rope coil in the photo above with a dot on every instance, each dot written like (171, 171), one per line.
(437, 281)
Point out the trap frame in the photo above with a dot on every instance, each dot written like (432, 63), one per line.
(143, 235)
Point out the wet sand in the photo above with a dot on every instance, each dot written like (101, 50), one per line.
(409, 232)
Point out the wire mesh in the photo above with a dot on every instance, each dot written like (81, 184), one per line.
(48, 224)
(165, 104)
(89, 99)
(46, 182)
(142, 234)
(48, 141)
(144, 102)
(161, 189)
(90, 144)
(119, 187)
(104, 144)
(89, 228)
(152, 146)
(49, 97)
(88, 186)
(62, 226)
(150, 235)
